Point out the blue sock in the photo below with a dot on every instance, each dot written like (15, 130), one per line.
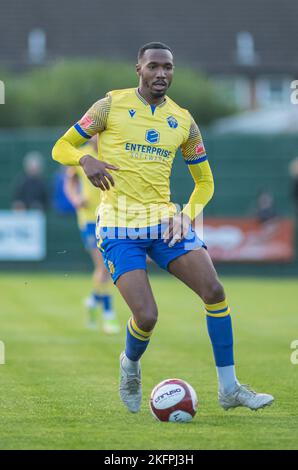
(97, 297)
(221, 335)
(137, 341)
(106, 302)
(220, 331)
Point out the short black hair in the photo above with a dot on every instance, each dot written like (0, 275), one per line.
(153, 45)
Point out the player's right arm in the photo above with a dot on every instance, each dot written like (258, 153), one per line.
(66, 150)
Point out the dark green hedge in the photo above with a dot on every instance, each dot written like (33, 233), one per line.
(58, 95)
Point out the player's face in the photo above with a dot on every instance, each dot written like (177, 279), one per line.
(155, 70)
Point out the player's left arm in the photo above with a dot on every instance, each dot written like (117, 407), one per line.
(195, 157)
(203, 191)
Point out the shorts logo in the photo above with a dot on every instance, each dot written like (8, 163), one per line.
(173, 123)
(152, 136)
(111, 267)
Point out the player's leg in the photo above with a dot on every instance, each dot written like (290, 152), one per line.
(87, 232)
(125, 258)
(135, 288)
(102, 292)
(196, 270)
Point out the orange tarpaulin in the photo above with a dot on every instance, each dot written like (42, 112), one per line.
(230, 239)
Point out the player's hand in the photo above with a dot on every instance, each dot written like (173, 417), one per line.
(178, 227)
(97, 172)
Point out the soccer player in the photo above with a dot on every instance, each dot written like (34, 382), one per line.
(85, 198)
(140, 130)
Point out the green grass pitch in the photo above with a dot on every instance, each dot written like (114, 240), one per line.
(59, 386)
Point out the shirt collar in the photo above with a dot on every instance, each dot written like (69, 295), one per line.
(145, 102)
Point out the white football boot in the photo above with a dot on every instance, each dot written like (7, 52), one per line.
(111, 326)
(130, 388)
(243, 395)
(92, 312)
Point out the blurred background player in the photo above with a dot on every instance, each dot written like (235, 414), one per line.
(30, 191)
(293, 170)
(265, 207)
(85, 198)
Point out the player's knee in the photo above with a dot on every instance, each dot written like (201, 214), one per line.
(147, 318)
(213, 293)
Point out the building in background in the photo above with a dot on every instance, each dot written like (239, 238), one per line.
(248, 48)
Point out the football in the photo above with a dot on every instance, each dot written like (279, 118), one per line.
(173, 400)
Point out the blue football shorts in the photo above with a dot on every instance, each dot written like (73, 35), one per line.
(88, 236)
(125, 249)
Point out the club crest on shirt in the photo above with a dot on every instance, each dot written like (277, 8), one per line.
(173, 123)
(152, 136)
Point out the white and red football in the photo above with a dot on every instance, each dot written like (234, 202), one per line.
(173, 400)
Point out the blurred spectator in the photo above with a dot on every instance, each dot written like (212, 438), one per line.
(265, 208)
(30, 191)
(293, 171)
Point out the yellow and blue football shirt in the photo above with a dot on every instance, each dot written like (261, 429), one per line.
(142, 141)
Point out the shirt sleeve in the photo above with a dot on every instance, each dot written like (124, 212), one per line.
(193, 149)
(95, 119)
(203, 191)
(195, 156)
(66, 150)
